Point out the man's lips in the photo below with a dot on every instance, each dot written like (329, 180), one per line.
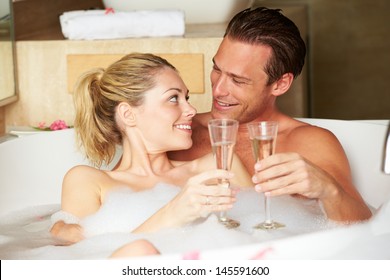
(224, 105)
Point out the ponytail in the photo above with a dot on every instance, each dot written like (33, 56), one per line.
(95, 125)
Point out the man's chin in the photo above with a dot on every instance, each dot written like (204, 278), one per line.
(217, 114)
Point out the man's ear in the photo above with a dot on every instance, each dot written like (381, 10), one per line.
(283, 84)
(126, 114)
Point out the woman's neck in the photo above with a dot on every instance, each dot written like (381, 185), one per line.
(137, 160)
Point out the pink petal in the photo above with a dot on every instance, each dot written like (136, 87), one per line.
(194, 255)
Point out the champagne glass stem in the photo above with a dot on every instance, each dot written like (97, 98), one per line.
(222, 216)
(267, 205)
(224, 183)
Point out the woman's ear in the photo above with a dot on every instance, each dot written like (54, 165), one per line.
(126, 114)
(283, 84)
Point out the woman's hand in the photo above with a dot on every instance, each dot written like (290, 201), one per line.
(67, 234)
(197, 199)
(202, 195)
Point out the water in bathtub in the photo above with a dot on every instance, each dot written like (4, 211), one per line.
(25, 234)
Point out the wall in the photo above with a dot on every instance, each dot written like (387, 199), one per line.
(42, 70)
(349, 58)
(2, 121)
(38, 19)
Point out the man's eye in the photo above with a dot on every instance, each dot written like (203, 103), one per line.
(239, 82)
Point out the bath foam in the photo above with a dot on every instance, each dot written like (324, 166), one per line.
(25, 234)
(125, 209)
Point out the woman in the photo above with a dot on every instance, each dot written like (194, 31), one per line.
(141, 103)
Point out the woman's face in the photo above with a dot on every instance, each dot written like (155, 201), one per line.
(165, 117)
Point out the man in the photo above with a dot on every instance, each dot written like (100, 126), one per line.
(259, 57)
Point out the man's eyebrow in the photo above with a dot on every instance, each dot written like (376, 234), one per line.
(234, 75)
(239, 77)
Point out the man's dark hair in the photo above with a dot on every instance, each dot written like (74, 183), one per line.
(271, 28)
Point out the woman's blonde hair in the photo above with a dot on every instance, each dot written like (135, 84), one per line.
(97, 94)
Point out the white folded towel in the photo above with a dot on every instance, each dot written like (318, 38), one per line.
(100, 24)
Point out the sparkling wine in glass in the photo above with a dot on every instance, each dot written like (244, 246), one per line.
(223, 133)
(263, 138)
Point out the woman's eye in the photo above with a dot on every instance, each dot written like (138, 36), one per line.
(173, 98)
(187, 97)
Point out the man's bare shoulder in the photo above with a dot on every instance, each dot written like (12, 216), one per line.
(301, 136)
(305, 130)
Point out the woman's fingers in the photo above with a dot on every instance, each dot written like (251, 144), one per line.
(207, 198)
(215, 204)
(217, 200)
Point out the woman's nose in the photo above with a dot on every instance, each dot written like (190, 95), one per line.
(190, 111)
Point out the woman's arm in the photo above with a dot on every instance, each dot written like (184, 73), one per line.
(81, 197)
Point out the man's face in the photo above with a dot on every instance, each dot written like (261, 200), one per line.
(239, 83)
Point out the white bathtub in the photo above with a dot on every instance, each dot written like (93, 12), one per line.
(32, 167)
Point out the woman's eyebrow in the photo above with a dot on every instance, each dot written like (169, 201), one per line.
(176, 89)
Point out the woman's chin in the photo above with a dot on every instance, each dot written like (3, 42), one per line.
(183, 147)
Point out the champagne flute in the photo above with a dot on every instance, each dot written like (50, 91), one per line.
(263, 138)
(223, 133)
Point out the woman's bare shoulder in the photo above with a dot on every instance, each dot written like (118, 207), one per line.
(82, 177)
(82, 190)
(83, 171)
